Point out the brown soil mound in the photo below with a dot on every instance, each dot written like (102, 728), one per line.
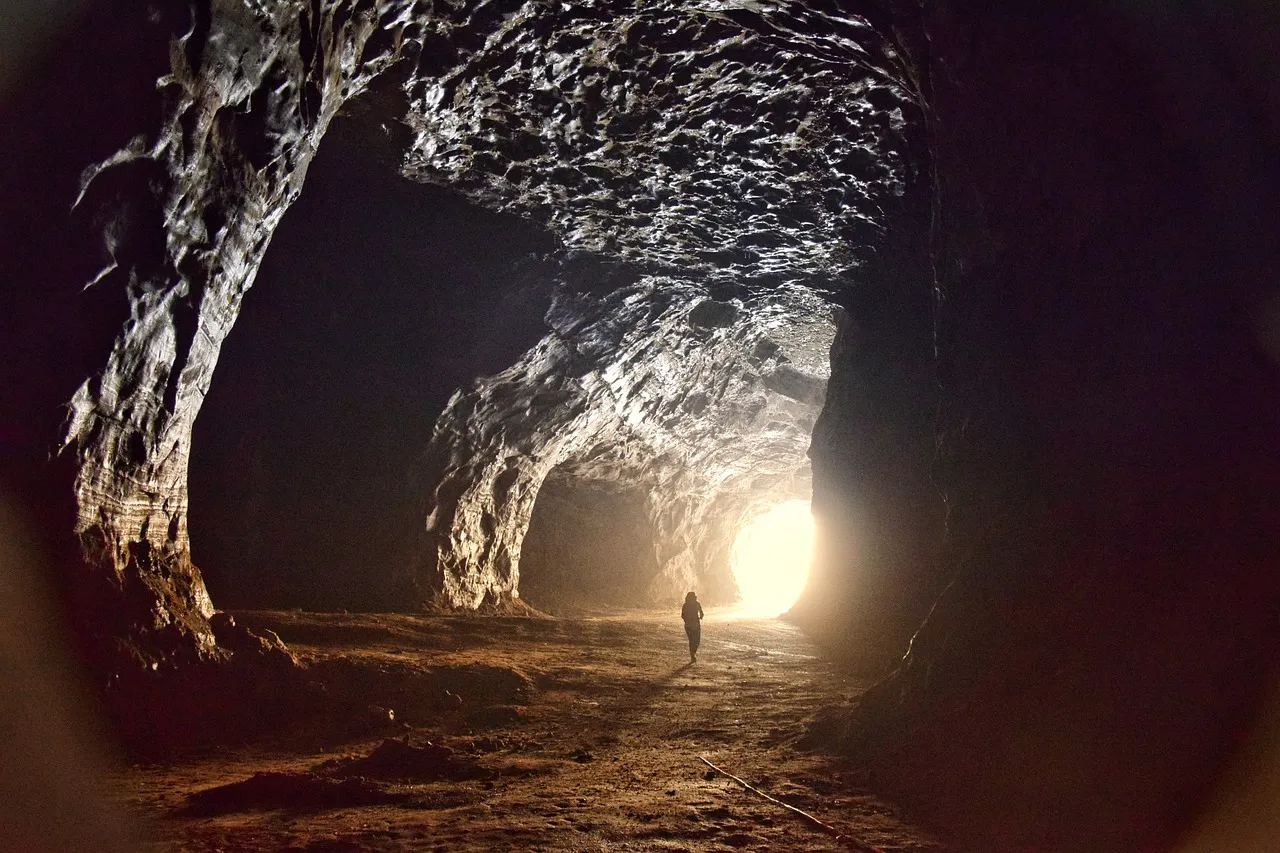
(293, 791)
(400, 761)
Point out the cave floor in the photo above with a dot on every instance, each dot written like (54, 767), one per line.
(566, 734)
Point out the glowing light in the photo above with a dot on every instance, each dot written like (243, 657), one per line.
(771, 559)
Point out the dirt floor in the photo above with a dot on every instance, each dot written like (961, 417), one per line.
(479, 734)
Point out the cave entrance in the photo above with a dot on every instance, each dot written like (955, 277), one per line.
(771, 558)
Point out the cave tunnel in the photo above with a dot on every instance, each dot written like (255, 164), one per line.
(398, 294)
(377, 299)
(588, 541)
(521, 309)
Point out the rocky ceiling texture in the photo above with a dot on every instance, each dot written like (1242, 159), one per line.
(707, 145)
(703, 406)
(730, 141)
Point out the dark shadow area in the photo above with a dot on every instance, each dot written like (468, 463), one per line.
(588, 544)
(1105, 430)
(87, 93)
(377, 300)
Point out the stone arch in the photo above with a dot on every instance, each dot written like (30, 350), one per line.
(634, 393)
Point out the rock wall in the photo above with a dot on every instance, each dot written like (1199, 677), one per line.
(377, 299)
(1104, 428)
(881, 507)
(186, 210)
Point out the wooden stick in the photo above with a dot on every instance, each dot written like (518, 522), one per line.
(848, 841)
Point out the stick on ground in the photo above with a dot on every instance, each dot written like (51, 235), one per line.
(839, 836)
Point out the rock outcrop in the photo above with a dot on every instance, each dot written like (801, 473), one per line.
(187, 209)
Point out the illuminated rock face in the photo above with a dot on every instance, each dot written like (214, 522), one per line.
(705, 145)
(187, 210)
(702, 407)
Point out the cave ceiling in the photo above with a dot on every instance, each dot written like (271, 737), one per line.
(725, 141)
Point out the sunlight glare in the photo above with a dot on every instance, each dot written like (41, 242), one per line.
(771, 557)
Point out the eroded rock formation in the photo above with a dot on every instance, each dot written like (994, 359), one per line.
(703, 406)
(193, 203)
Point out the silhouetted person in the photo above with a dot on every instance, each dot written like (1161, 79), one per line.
(691, 613)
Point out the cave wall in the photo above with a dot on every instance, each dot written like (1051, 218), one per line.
(54, 333)
(880, 508)
(218, 111)
(1105, 423)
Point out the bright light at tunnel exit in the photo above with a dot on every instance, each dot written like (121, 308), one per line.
(771, 558)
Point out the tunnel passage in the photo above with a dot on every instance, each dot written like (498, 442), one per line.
(377, 298)
(588, 544)
(705, 407)
(651, 158)
(1071, 366)
(595, 543)
(734, 169)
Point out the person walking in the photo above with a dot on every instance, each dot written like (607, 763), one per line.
(691, 613)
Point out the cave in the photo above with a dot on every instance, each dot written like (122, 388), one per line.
(380, 377)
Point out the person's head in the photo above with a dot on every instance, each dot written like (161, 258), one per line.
(691, 597)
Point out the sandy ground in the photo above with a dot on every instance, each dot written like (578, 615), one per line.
(579, 734)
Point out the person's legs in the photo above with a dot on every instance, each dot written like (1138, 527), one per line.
(694, 630)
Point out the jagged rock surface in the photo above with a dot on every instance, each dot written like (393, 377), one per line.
(188, 210)
(704, 407)
(734, 140)
(739, 145)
